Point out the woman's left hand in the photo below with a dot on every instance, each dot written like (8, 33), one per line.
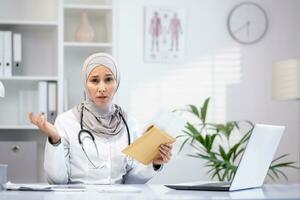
(165, 154)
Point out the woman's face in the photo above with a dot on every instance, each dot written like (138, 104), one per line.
(101, 85)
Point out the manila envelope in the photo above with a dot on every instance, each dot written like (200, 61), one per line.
(145, 148)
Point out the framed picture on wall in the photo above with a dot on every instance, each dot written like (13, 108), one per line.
(164, 34)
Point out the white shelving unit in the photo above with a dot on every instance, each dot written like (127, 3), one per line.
(39, 30)
(37, 22)
(49, 53)
(100, 16)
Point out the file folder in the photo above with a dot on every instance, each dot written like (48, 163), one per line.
(43, 97)
(17, 54)
(146, 148)
(52, 101)
(7, 53)
(1, 54)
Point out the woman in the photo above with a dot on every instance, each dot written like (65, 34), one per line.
(71, 155)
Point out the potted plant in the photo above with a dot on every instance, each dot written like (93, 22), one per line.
(212, 143)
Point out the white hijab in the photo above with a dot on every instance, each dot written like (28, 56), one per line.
(100, 121)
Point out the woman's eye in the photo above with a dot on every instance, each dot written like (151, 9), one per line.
(94, 80)
(109, 79)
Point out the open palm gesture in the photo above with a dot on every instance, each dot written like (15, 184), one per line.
(41, 122)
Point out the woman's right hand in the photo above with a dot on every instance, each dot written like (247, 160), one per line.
(49, 129)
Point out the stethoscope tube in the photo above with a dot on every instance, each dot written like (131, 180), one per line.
(82, 130)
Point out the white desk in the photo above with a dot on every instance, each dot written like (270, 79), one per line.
(157, 192)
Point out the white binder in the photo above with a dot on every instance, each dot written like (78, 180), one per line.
(43, 97)
(7, 53)
(52, 102)
(1, 54)
(17, 54)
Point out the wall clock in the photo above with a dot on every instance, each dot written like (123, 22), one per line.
(247, 23)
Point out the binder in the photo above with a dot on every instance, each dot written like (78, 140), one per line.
(43, 97)
(1, 54)
(7, 53)
(17, 54)
(52, 102)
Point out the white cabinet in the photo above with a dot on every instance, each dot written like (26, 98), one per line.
(100, 17)
(21, 158)
(37, 22)
(50, 52)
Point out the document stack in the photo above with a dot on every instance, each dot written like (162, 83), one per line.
(10, 53)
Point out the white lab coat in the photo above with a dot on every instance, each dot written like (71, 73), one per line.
(67, 163)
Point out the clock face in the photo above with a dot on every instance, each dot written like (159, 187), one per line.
(247, 23)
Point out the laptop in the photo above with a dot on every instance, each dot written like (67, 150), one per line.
(253, 166)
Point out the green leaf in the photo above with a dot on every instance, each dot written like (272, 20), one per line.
(223, 153)
(283, 174)
(210, 142)
(275, 173)
(270, 175)
(225, 173)
(180, 136)
(284, 164)
(204, 110)
(216, 173)
(192, 129)
(232, 173)
(182, 145)
(194, 110)
(238, 153)
(236, 124)
(279, 157)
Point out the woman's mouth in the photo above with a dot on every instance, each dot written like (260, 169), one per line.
(102, 97)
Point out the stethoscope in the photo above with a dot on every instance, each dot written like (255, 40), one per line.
(83, 131)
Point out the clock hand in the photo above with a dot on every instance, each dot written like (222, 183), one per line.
(248, 24)
(242, 27)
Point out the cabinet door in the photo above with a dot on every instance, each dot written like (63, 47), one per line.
(21, 158)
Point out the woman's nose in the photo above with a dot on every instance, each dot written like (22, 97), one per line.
(102, 87)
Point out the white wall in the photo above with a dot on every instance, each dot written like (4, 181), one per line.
(240, 84)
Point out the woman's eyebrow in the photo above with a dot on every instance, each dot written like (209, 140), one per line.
(97, 76)
(94, 76)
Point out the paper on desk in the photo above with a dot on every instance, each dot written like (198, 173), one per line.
(115, 189)
(168, 121)
(25, 187)
(69, 188)
(45, 187)
(145, 148)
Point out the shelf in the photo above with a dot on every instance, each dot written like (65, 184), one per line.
(30, 78)
(88, 2)
(87, 44)
(29, 23)
(87, 7)
(93, 11)
(18, 127)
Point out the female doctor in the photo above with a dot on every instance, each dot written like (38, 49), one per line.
(85, 143)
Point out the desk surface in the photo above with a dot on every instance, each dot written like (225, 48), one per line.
(143, 192)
